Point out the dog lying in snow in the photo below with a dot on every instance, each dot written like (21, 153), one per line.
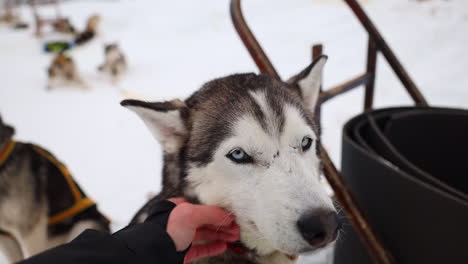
(248, 143)
(115, 63)
(41, 206)
(63, 71)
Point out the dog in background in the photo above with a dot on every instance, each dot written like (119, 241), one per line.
(115, 62)
(41, 206)
(63, 71)
(90, 31)
(248, 143)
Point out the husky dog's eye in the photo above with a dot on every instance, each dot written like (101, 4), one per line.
(306, 143)
(238, 155)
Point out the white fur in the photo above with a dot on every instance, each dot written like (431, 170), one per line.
(10, 247)
(310, 85)
(260, 99)
(35, 241)
(270, 196)
(166, 127)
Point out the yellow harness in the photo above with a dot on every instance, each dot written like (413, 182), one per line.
(81, 203)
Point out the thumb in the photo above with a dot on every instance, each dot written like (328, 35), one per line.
(210, 215)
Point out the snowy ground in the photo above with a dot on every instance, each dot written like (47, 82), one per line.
(175, 46)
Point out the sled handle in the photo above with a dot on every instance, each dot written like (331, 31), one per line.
(250, 42)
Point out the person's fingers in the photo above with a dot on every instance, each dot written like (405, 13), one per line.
(207, 234)
(186, 218)
(209, 215)
(205, 250)
(177, 200)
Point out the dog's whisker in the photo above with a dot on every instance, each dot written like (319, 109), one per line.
(222, 222)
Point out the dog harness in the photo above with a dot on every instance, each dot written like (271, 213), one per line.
(240, 249)
(58, 212)
(5, 153)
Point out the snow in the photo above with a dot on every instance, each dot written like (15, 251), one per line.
(173, 47)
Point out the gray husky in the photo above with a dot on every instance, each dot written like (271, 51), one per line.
(248, 143)
(115, 62)
(41, 206)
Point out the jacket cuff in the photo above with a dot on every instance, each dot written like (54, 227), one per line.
(149, 241)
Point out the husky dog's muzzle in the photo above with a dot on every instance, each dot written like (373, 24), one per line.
(319, 229)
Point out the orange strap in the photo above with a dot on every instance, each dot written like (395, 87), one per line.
(65, 172)
(6, 151)
(81, 203)
(79, 206)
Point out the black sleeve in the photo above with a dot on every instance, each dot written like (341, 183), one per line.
(142, 243)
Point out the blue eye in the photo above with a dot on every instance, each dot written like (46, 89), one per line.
(238, 155)
(306, 143)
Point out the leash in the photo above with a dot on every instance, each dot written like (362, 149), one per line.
(81, 203)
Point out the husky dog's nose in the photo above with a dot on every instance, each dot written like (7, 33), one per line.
(319, 229)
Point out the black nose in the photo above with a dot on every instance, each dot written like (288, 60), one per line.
(319, 229)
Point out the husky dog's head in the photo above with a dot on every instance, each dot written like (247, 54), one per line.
(248, 143)
(112, 50)
(6, 133)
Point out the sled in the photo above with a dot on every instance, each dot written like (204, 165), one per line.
(58, 23)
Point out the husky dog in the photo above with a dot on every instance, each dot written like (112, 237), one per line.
(63, 71)
(40, 204)
(248, 143)
(115, 63)
(90, 31)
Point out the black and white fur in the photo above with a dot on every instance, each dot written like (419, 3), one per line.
(63, 71)
(248, 143)
(26, 188)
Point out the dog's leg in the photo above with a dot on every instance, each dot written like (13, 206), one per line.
(51, 83)
(80, 83)
(10, 248)
(35, 241)
(77, 229)
(81, 226)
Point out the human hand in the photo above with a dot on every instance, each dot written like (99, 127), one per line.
(190, 223)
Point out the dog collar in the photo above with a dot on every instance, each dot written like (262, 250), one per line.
(240, 249)
(237, 247)
(5, 153)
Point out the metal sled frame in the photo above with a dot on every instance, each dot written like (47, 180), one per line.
(376, 44)
(9, 13)
(40, 21)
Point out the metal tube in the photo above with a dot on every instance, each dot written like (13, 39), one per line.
(371, 65)
(387, 52)
(250, 42)
(317, 51)
(355, 214)
(344, 87)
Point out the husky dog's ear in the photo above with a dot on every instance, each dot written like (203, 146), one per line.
(308, 82)
(164, 120)
(6, 132)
